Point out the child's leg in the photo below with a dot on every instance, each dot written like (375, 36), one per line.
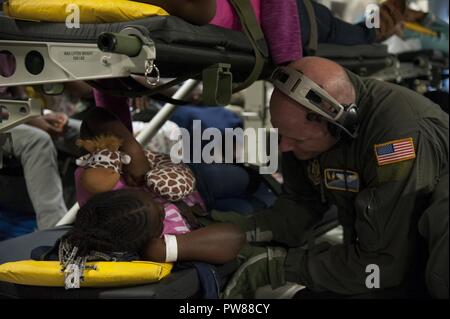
(101, 122)
(219, 181)
(240, 190)
(331, 29)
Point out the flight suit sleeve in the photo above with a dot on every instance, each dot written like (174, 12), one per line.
(294, 212)
(386, 212)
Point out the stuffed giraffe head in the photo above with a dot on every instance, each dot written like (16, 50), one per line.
(103, 163)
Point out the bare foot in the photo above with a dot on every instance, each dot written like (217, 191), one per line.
(414, 16)
(391, 19)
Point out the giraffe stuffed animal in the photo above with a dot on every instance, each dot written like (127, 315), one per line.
(103, 168)
(167, 179)
(103, 163)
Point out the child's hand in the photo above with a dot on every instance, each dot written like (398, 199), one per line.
(129, 180)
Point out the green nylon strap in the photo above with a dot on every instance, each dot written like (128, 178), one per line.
(217, 84)
(253, 31)
(313, 33)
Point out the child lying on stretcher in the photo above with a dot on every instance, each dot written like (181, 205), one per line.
(157, 221)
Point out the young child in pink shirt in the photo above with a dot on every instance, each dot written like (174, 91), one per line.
(137, 214)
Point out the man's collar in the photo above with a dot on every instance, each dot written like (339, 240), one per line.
(362, 95)
(360, 87)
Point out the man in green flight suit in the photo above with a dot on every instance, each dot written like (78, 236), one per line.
(377, 151)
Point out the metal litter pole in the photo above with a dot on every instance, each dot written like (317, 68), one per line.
(69, 217)
(145, 136)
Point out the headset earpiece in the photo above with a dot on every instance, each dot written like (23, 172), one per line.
(314, 117)
(351, 117)
(350, 123)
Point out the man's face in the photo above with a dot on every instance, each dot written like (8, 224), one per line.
(306, 139)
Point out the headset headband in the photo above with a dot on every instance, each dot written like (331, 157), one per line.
(307, 93)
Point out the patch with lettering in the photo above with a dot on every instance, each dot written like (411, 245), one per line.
(341, 180)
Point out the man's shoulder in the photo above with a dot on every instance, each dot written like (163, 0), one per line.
(392, 107)
(391, 97)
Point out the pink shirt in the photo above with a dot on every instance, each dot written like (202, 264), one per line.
(279, 21)
(227, 18)
(174, 223)
(281, 26)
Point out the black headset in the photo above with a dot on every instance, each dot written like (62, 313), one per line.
(350, 123)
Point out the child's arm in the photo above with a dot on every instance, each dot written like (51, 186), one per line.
(194, 11)
(165, 178)
(100, 122)
(215, 244)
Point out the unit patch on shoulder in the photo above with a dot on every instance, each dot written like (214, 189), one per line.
(341, 180)
(395, 151)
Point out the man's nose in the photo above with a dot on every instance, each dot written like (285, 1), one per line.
(286, 144)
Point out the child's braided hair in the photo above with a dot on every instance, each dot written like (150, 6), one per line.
(115, 221)
(111, 225)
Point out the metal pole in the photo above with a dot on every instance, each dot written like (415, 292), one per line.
(145, 136)
(69, 218)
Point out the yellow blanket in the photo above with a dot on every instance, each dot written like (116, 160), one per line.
(106, 274)
(82, 11)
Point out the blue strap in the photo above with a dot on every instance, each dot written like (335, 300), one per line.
(210, 280)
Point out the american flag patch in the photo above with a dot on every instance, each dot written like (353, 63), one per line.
(395, 151)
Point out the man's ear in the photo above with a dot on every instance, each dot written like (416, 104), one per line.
(314, 117)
